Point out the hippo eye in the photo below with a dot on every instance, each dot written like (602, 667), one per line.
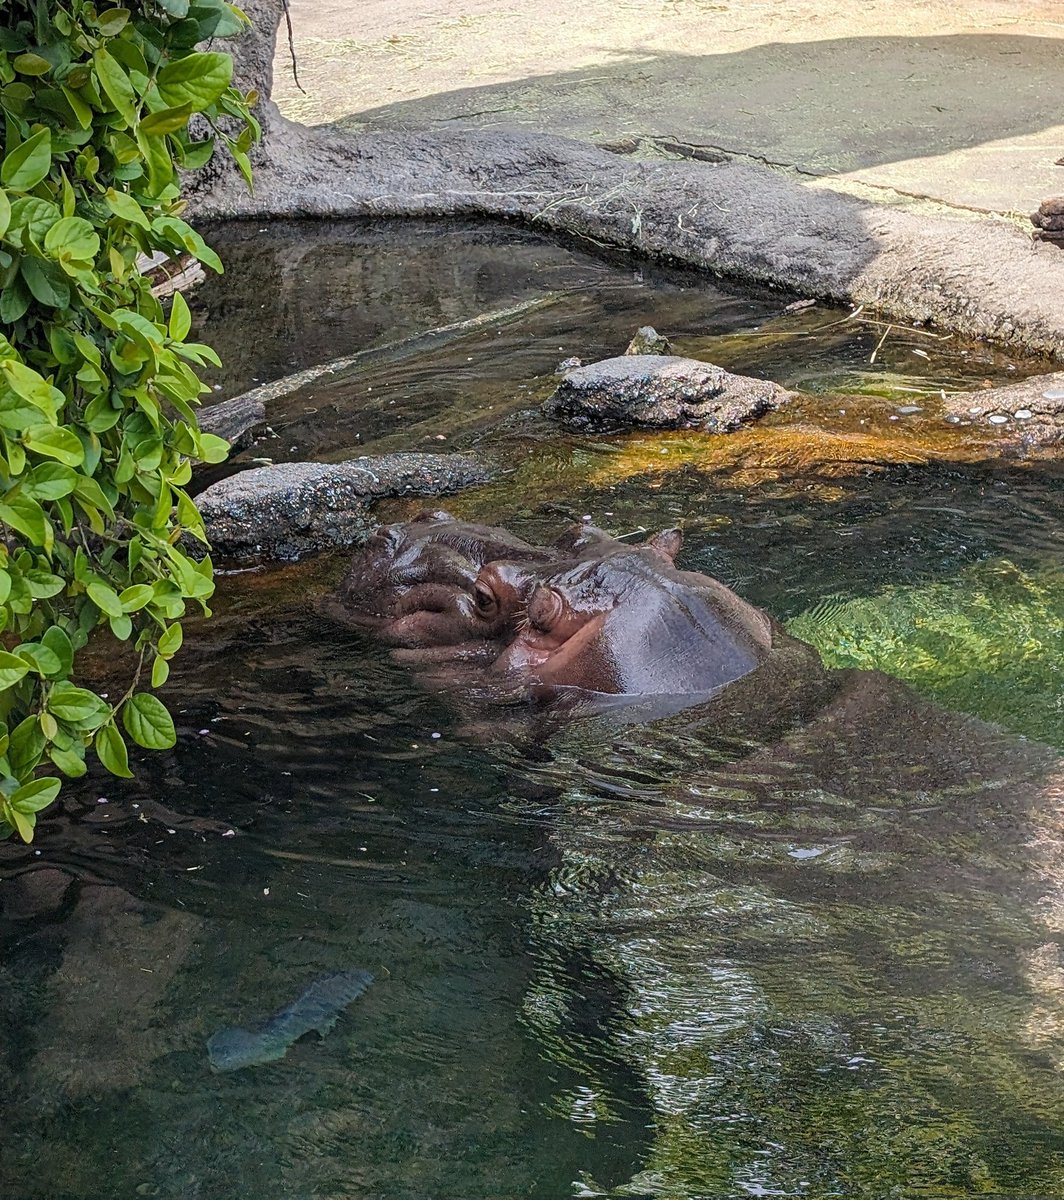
(484, 599)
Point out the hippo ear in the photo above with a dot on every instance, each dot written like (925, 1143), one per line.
(667, 543)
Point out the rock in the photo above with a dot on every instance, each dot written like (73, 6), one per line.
(647, 340)
(292, 509)
(568, 364)
(662, 392)
(1031, 411)
(1049, 220)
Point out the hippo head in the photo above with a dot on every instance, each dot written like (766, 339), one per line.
(413, 583)
(621, 619)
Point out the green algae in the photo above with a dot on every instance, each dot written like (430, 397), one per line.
(989, 641)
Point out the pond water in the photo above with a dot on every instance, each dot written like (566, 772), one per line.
(809, 944)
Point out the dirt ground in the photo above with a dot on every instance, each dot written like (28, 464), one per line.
(957, 103)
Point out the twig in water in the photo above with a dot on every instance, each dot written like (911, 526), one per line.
(879, 344)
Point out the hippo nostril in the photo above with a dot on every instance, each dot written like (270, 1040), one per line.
(544, 609)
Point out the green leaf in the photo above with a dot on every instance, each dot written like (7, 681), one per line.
(45, 286)
(26, 747)
(29, 163)
(125, 207)
(58, 443)
(43, 585)
(71, 762)
(43, 661)
(112, 21)
(70, 703)
(15, 299)
(116, 85)
(32, 215)
(160, 672)
(23, 822)
(25, 382)
(135, 597)
(167, 120)
(49, 481)
(105, 598)
(121, 626)
(31, 64)
(180, 317)
(32, 797)
(60, 645)
(157, 157)
(12, 669)
(5, 213)
(197, 80)
(212, 449)
(111, 750)
(148, 723)
(170, 641)
(73, 237)
(90, 491)
(25, 515)
(176, 8)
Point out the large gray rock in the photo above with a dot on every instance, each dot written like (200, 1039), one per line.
(660, 391)
(1030, 412)
(292, 509)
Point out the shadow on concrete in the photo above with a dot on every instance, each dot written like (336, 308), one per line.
(829, 106)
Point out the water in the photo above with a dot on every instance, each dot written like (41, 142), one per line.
(808, 944)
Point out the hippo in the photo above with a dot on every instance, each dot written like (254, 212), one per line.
(413, 583)
(621, 619)
(590, 612)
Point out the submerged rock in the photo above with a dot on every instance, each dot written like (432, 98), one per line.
(661, 391)
(292, 509)
(1031, 411)
(647, 340)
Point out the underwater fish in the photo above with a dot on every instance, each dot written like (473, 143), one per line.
(318, 1007)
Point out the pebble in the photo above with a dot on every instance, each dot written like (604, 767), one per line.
(1053, 394)
(998, 419)
(908, 409)
(976, 412)
(1023, 414)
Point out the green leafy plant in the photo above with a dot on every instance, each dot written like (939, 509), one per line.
(98, 428)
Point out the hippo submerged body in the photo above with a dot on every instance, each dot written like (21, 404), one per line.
(590, 612)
